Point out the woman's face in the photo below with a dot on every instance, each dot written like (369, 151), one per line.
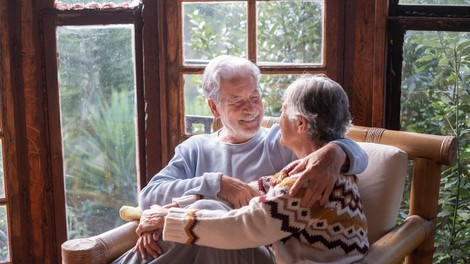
(288, 129)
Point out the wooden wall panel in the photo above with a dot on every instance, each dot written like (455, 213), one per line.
(15, 164)
(43, 235)
(364, 47)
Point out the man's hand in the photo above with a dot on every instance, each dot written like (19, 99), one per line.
(235, 191)
(318, 173)
(171, 205)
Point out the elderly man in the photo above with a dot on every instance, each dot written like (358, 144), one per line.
(220, 164)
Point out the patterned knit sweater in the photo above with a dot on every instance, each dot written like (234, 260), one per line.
(333, 233)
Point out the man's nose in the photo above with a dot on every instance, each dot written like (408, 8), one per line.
(249, 106)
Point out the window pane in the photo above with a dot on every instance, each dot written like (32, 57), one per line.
(2, 175)
(70, 2)
(213, 29)
(198, 115)
(435, 2)
(4, 245)
(290, 31)
(436, 100)
(435, 80)
(272, 88)
(97, 90)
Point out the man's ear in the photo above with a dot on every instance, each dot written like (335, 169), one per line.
(213, 108)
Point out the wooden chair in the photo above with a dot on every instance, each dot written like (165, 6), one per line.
(389, 152)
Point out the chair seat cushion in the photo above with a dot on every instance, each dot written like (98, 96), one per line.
(381, 187)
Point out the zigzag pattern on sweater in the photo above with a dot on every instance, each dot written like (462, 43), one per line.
(189, 229)
(329, 225)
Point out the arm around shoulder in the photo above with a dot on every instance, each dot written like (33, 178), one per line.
(357, 157)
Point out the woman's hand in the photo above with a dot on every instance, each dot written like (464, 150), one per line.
(152, 219)
(318, 173)
(147, 243)
(149, 230)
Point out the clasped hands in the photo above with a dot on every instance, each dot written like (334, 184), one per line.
(318, 173)
(150, 229)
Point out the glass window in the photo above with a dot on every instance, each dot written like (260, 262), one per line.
(287, 36)
(290, 32)
(197, 112)
(272, 88)
(70, 2)
(2, 175)
(4, 240)
(435, 2)
(435, 99)
(213, 29)
(435, 81)
(97, 99)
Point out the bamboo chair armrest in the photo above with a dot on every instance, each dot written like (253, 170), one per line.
(394, 246)
(101, 248)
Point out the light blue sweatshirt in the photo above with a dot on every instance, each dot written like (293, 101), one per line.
(201, 160)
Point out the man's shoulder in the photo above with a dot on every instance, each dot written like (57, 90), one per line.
(199, 140)
(272, 132)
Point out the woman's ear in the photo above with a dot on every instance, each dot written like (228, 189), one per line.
(213, 108)
(302, 125)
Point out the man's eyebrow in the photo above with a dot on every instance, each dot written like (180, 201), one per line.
(234, 98)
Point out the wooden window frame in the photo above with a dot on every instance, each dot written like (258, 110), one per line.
(175, 69)
(56, 18)
(414, 17)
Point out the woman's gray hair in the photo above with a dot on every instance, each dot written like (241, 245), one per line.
(324, 104)
(226, 67)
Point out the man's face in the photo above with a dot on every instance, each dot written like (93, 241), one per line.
(240, 109)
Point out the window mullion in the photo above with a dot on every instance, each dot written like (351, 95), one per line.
(252, 30)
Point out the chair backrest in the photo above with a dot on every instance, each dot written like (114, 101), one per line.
(428, 153)
(381, 187)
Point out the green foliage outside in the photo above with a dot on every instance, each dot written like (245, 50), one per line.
(4, 252)
(436, 100)
(287, 32)
(436, 2)
(71, 2)
(96, 75)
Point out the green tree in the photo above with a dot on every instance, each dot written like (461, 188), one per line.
(287, 32)
(96, 75)
(436, 100)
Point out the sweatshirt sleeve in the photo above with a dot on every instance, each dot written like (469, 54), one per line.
(178, 179)
(266, 219)
(358, 159)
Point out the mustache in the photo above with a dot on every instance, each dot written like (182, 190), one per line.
(249, 117)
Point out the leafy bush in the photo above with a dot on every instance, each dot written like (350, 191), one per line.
(436, 100)
(98, 131)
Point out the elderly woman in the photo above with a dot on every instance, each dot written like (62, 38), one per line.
(314, 112)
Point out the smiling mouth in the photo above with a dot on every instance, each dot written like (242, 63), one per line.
(248, 120)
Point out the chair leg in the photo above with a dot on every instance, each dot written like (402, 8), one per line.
(428, 182)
